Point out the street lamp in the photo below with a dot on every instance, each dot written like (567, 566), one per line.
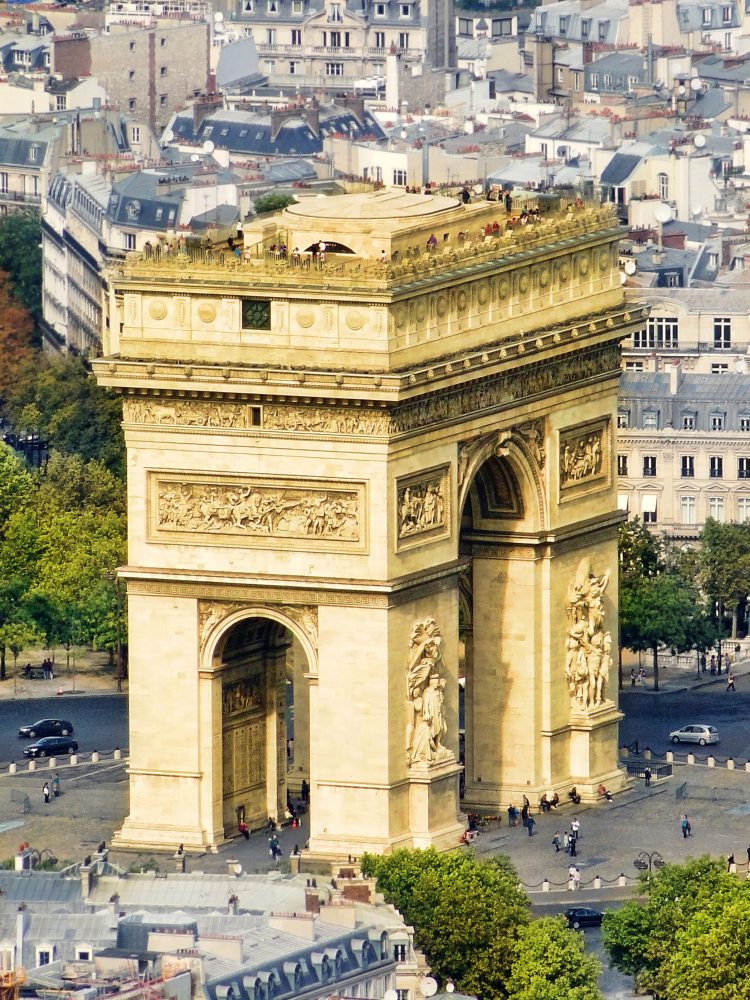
(648, 861)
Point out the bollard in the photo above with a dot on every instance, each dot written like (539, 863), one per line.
(691, 758)
(711, 762)
(74, 758)
(32, 765)
(733, 868)
(13, 767)
(670, 757)
(730, 764)
(95, 757)
(597, 881)
(622, 880)
(52, 763)
(545, 885)
(747, 766)
(118, 754)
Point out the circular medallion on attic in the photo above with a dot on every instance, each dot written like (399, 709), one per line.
(523, 283)
(355, 320)
(305, 318)
(564, 272)
(503, 288)
(207, 312)
(483, 294)
(157, 309)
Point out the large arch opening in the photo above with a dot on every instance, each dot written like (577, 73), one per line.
(264, 759)
(499, 520)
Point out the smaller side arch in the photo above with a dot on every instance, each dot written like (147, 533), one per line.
(299, 620)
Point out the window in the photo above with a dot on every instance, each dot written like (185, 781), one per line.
(135, 133)
(256, 314)
(728, 41)
(564, 24)
(706, 15)
(722, 333)
(719, 369)
(660, 332)
(622, 465)
(163, 42)
(379, 39)
(402, 995)
(132, 104)
(162, 100)
(334, 69)
(380, 10)
(687, 467)
(296, 36)
(603, 30)
(270, 36)
(687, 510)
(633, 366)
(132, 46)
(83, 954)
(650, 420)
(334, 12)
(623, 419)
(399, 178)
(662, 182)
(743, 509)
(294, 67)
(745, 423)
(465, 26)
(743, 468)
(716, 508)
(688, 421)
(162, 71)
(726, 15)
(33, 154)
(715, 467)
(585, 28)
(576, 81)
(335, 42)
(501, 27)
(273, 7)
(44, 956)
(296, 6)
(648, 508)
(649, 466)
(405, 9)
(594, 81)
(131, 74)
(4, 182)
(399, 952)
(717, 422)
(129, 241)
(607, 79)
(672, 279)
(403, 39)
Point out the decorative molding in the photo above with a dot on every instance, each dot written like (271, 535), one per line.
(212, 613)
(423, 507)
(327, 420)
(585, 458)
(243, 510)
(189, 413)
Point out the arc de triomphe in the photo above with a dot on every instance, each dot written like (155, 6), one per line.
(371, 507)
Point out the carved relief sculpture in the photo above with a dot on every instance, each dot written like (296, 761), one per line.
(425, 683)
(588, 645)
(246, 508)
(422, 505)
(190, 413)
(584, 458)
(242, 696)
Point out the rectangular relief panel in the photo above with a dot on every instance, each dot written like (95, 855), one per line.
(585, 458)
(259, 511)
(423, 502)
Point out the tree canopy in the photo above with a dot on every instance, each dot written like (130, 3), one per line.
(724, 562)
(690, 939)
(471, 919)
(21, 258)
(660, 603)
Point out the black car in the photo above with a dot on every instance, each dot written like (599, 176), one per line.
(51, 746)
(583, 916)
(47, 727)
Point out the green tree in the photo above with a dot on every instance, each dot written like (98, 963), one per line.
(659, 605)
(21, 257)
(683, 901)
(725, 563)
(17, 636)
(467, 914)
(273, 202)
(551, 964)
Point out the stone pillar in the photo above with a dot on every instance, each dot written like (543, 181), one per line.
(300, 679)
(276, 730)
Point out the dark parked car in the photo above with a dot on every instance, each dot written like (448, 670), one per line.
(51, 746)
(47, 727)
(583, 916)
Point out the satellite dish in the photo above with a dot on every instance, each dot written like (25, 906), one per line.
(696, 83)
(168, 135)
(428, 986)
(194, 157)
(208, 146)
(663, 214)
(699, 141)
(238, 869)
(696, 210)
(218, 16)
(681, 89)
(630, 267)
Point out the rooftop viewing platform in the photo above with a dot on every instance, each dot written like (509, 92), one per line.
(376, 282)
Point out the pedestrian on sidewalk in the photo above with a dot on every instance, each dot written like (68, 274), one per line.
(575, 827)
(576, 878)
(703, 663)
(730, 682)
(685, 827)
(632, 677)
(45, 793)
(647, 776)
(56, 785)
(566, 841)
(530, 823)
(713, 665)
(573, 846)
(557, 844)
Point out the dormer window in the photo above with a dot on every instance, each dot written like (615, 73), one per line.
(726, 13)
(334, 12)
(405, 9)
(564, 23)
(585, 28)
(273, 6)
(379, 10)
(33, 154)
(706, 15)
(248, 6)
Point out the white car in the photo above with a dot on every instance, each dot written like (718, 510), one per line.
(695, 734)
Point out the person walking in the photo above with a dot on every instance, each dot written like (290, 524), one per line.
(566, 841)
(730, 682)
(684, 824)
(45, 793)
(573, 846)
(575, 827)
(530, 824)
(56, 785)
(557, 844)
(647, 776)
(576, 878)
(632, 677)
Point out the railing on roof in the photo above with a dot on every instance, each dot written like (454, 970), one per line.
(408, 263)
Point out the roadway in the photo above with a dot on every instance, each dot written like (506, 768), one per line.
(100, 723)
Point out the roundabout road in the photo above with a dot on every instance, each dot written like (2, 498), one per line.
(100, 721)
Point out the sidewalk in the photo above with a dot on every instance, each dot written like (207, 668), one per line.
(88, 673)
(676, 676)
